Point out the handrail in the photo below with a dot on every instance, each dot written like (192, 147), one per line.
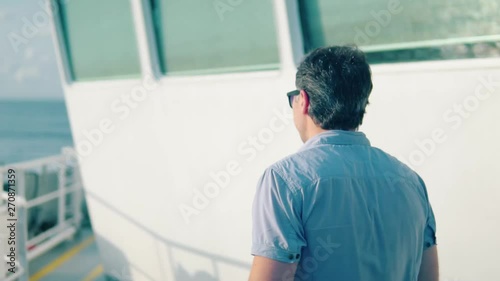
(27, 165)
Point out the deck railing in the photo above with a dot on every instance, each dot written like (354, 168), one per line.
(43, 200)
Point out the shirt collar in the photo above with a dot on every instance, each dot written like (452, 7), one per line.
(336, 137)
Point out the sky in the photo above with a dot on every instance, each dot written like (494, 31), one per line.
(28, 67)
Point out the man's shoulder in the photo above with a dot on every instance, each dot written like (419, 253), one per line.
(288, 170)
(306, 167)
(397, 168)
(290, 162)
(297, 169)
(310, 164)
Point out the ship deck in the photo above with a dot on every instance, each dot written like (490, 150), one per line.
(75, 260)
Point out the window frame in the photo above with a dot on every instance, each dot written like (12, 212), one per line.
(411, 45)
(155, 43)
(61, 45)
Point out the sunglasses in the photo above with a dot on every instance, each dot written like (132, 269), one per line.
(290, 96)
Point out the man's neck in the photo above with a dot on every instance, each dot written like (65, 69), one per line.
(313, 132)
(318, 130)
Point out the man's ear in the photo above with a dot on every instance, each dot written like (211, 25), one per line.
(304, 102)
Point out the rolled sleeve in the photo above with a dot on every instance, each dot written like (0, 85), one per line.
(277, 233)
(430, 230)
(430, 227)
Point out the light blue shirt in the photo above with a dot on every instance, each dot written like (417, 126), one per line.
(346, 211)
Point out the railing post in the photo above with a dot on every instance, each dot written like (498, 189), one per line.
(61, 214)
(77, 198)
(3, 239)
(71, 159)
(22, 226)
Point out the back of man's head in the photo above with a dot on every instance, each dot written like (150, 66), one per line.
(338, 82)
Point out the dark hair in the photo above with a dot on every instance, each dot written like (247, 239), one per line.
(338, 82)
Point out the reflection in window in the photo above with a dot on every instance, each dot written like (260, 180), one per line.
(447, 52)
(199, 36)
(100, 39)
(393, 30)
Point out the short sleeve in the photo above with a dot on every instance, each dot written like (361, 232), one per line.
(430, 230)
(430, 227)
(277, 231)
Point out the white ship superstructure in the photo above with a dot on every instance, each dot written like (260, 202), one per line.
(177, 107)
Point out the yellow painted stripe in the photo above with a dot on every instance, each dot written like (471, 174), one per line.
(62, 259)
(96, 272)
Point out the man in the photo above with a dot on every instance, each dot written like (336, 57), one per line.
(340, 209)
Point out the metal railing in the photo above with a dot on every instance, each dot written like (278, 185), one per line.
(29, 201)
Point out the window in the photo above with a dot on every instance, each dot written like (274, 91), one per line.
(99, 38)
(394, 30)
(215, 36)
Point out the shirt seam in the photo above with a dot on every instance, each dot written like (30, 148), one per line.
(291, 185)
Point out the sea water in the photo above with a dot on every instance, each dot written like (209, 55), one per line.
(32, 129)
